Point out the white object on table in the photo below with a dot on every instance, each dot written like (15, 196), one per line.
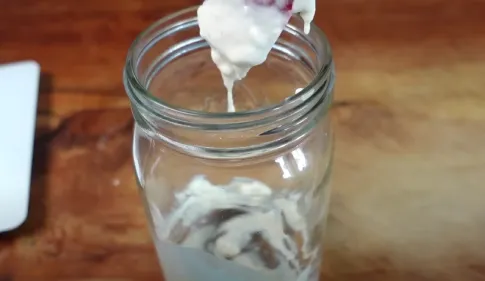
(19, 87)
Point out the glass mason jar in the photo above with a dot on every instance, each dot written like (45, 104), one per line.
(232, 196)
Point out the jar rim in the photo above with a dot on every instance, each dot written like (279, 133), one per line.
(142, 96)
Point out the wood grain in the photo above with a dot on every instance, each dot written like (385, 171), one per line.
(408, 200)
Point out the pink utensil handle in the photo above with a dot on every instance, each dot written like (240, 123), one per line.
(283, 5)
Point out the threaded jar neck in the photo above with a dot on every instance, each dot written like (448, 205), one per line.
(175, 36)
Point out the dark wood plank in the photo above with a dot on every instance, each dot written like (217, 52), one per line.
(409, 117)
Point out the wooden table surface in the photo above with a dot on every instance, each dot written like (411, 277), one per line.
(409, 187)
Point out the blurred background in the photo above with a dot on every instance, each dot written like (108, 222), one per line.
(409, 116)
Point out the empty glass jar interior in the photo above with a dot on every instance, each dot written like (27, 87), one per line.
(232, 196)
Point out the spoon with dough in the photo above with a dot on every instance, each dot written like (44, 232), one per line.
(241, 33)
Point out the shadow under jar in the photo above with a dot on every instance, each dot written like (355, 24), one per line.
(232, 196)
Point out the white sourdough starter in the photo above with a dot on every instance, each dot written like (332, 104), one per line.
(241, 33)
(241, 231)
